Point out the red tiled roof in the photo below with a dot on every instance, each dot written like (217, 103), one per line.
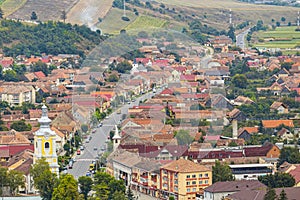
(188, 77)
(258, 151)
(14, 149)
(276, 123)
(167, 91)
(40, 74)
(296, 174)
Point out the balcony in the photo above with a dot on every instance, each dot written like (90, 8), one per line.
(144, 176)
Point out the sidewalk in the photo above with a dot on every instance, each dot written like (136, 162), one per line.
(142, 196)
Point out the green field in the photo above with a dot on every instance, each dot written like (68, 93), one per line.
(281, 37)
(113, 23)
(146, 22)
(10, 6)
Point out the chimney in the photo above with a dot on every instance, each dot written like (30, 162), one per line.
(234, 129)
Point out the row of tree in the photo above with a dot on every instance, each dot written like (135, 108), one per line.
(66, 187)
(11, 180)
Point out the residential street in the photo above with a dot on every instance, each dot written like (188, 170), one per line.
(83, 161)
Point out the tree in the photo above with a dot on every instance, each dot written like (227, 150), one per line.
(15, 180)
(33, 16)
(239, 80)
(66, 189)
(113, 78)
(123, 67)
(20, 126)
(277, 180)
(221, 172)
(84, 128)
(44, 180)
(270, 195)
(3, 178)
(282, 195)
(231, 33)
(1, 13)
(290, 155)
(116, 185)
(85, 185)
(283, 19)
(197, 107)
(102, 191)
(64, 15)
(183, 137)
(278, 24)
(118, 195)
(129, 194)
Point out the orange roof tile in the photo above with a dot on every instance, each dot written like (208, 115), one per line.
(276, 123)
(185, 166)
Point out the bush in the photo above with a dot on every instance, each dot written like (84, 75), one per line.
(124, 18)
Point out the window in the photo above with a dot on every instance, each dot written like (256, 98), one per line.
(176, 188)
(176, 175)
(188, 176)
(176, 182)
(194, 183)
(206, 181)
(188, 190)
(200, 175)
(187, 183)
(194, 189)
(206, 175)
(200, 182)
(194, 176)
(47, 145)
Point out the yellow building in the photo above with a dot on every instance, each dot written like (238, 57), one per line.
(184, 179)
(45, 142)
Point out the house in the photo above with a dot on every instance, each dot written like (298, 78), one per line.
(220, 190)
(246, 132)
(267, 150)
(291, 193)
(236, 114)
(285, 134)
(146, 177)
(279, 107)
(184, 179)
(251, 171)
(296, 174)
(219, 102)
(240, 100)
(277, 123)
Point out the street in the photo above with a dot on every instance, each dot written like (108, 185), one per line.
(81, 165)
(240, 39)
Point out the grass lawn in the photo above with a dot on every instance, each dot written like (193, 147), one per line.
(113, 23)
(10, 6)
(146, 22)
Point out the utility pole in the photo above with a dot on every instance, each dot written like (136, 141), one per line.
(298, 21)
(124, 8)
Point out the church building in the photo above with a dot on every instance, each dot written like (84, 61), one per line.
(45, 142)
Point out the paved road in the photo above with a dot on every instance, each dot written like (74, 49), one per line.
(240, 39)
(83, 161)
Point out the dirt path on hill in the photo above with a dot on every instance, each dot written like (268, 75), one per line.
(88, 11)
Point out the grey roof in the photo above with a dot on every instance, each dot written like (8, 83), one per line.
(234, 186)
(148, 165)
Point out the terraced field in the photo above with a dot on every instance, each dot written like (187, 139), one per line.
(281, 37)
(45, 9)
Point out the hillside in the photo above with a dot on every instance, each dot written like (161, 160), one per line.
(88, 11)
(45, 9)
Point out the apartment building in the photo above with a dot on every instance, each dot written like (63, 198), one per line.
(16, 94)
(184, 179)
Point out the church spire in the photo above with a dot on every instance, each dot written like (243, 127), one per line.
(44, 120)
(116, 138)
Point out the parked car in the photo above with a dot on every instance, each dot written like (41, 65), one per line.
(94, 131)
(70, 165)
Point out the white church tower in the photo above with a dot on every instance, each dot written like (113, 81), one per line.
(45, 142)
(116, 138)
